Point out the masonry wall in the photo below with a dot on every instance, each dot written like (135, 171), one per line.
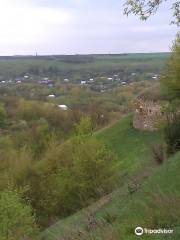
(147, 115)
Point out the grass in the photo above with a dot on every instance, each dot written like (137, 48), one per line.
(134, 162)
(155, 205)
(131, 145)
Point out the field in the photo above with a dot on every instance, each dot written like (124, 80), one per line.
(77, 65)
(141, 182)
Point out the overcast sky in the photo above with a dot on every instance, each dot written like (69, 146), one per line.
(80, 26)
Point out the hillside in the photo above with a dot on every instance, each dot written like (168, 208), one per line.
(142, 196)
(132, 146)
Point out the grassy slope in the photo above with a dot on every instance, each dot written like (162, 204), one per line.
(134, 159)
(156, 204)
(132, 146)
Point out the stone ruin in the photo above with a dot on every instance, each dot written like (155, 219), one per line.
(147, 115)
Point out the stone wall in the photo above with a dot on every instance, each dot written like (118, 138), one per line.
(147, 115)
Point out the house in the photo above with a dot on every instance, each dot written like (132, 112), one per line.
(66, 80)
(83, 82)
(63, 107)
(155, 76)
(102, 90)
(51, 96)
(18, 79)
(123, 83)
(47, 81)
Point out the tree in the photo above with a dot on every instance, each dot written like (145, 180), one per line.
(84, 127)
(170, 79)
(170, 82)
(70, 176)
(3, 117)
(145, 8)
(16, 219)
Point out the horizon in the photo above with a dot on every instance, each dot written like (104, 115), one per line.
(82, 54)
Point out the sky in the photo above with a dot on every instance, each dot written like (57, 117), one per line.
(80, 27)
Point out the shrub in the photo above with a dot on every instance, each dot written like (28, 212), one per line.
(158, 153)
(16, 219)
(73, 174)
(172, 133)
(3, 117)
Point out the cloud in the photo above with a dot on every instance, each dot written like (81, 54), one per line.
(79, 26)
(27, 22)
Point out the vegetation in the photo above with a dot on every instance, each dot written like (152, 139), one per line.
(144, 9)
(172, 133)
(117, 215)
(132, 167)
(77, 164)
(16, 218)
(131, 145)
(78, 67)
(170, 78)
(35, 159)
(170, 82)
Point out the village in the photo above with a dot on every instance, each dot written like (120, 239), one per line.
(98, 83)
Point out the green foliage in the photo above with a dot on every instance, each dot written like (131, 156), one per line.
(61, 173)
(132, 148)
(84, 127)
(39, 137)
(170, 80)
(172, 133)
(75, 68)
(73, 174)
(3, 117)
(16, 219)
(155, 205)
(145, 8)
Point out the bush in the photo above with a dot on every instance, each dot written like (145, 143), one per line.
(158, 153)
(172, 133)
(73, 174)
(3, 117)
(16, 219)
